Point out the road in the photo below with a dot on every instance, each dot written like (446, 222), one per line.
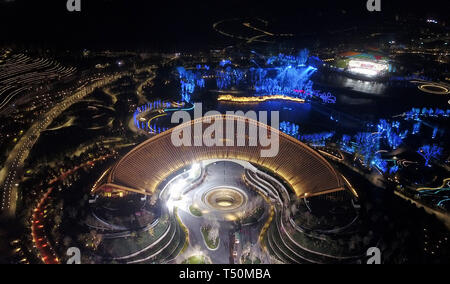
(140, 88)
(13, 167)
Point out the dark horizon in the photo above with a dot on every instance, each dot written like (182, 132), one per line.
(172, 24)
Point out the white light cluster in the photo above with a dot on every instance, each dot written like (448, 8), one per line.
(195, 171)
(176, 189)
(367, 68)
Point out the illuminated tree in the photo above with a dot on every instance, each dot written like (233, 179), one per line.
(381, 164)
(328, 98)
(317, 139)
(390, 131)
(189, 80)
(303, 56)
(429, 152)
(366, 145)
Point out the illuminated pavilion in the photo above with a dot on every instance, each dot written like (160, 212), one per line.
(144, 168)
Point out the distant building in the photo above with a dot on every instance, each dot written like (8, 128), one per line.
(370, 65)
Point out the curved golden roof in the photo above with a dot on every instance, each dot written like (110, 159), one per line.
(147, 165)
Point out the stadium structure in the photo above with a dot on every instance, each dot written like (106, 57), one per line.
(157, 183)
(367, 65)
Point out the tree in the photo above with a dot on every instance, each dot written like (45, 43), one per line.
(429, 152)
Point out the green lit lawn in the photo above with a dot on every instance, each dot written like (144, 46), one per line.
(196, 259)
(195, 211)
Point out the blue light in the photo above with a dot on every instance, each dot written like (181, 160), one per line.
(189, 80)
(393, 170)
(416, 113)
(282, 59)
(380, 164)
(318, 139)
(289, 128)
(416, 128)
(229, 77)
(287, 75)
(225, 62)
(429, 152)
(435, 132)
(366, 145)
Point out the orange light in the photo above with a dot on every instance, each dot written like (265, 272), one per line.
(258, 99)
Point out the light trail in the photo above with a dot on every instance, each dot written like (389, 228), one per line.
(231, 98)
(444, 184)
(428, 88)
(153, 118)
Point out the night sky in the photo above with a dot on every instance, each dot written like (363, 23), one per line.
(160, 24)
